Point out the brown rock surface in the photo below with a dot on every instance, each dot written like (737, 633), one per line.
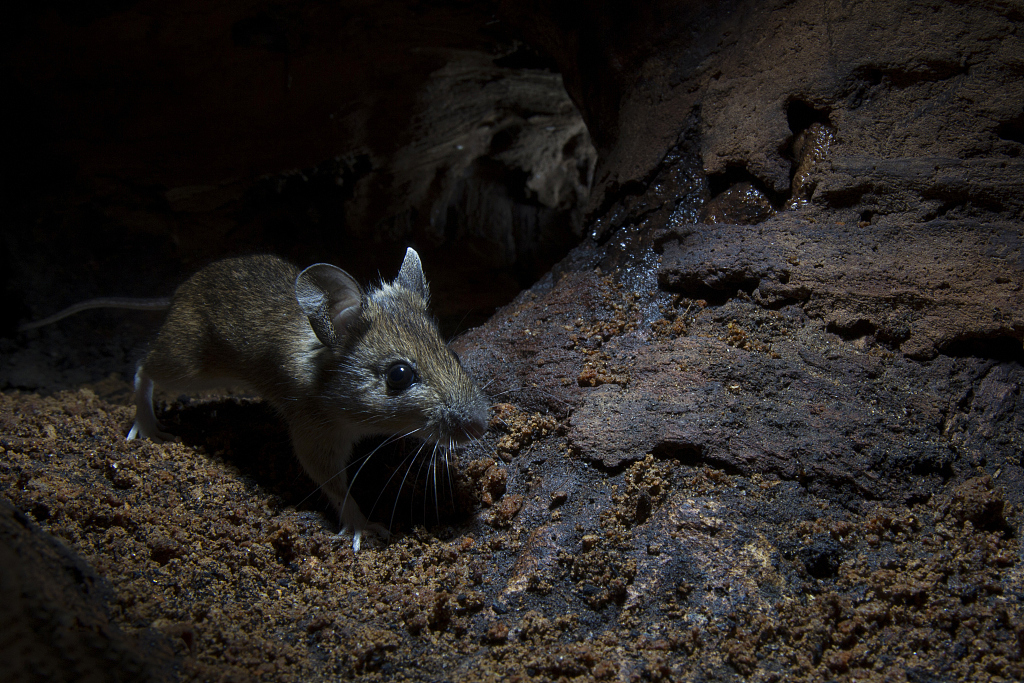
(953, 281)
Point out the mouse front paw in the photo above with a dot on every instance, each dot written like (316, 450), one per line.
(354, 521)
(378, 530)
(152, 432)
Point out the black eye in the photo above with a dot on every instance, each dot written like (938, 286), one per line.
(400, 375)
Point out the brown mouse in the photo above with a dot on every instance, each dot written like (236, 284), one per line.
(339, 364)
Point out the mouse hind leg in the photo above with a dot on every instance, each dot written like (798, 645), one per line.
(146, 425)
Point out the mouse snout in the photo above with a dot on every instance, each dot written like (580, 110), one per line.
(462, 424)
(475, 427)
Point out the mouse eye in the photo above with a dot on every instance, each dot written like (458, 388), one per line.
(457, 359)
(400, 376)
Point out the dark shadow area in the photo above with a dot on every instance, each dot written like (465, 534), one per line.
(1003, 349)
(800, 115)
(395, 483)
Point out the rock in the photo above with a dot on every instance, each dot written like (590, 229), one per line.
(915, 295)
(56, 616)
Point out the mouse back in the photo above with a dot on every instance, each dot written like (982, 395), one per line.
(235, 321)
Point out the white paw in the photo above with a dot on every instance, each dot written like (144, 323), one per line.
(378, 530)
(154, 434)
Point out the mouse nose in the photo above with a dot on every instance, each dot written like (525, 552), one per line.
(476, 427)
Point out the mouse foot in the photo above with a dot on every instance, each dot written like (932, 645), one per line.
(353, 520)
(155, 434)
(374, 528)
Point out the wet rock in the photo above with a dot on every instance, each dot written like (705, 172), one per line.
(810, 149)
(741, 204)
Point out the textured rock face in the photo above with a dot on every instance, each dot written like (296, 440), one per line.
(924, 97)
(918, 294)
(758, 383)
(863, 344)
(764, 422)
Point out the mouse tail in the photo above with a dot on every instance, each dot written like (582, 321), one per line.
(160, 304)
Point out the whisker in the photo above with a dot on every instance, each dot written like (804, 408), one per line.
(388, 483)
(344, 469)
(408, 469)
(437, 496)
(426, 497)
(366, 460)
(448, 472)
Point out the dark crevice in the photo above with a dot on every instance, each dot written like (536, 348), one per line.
(1012, 130)
(692, 455)
(930, 466)
(861, 328)
(962, 205)
(891, 338)
(865, 328)
(1002, 349)
(850, 197)
(868, 77)
(610, 470)
(917, 499)
(689, 454)
(965, 403)
(504, 139)
(822, 557)
(715, 296)
(926, 73)
(800, 115)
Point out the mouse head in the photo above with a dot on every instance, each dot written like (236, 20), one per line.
(389, 362)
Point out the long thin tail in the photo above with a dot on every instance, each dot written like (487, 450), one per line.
(160, 304)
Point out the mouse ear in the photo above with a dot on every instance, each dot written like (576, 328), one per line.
(410, 275)
(330, 298)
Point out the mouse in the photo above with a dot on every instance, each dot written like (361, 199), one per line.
(337, 362)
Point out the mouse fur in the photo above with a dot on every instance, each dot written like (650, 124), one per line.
(338, 363)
